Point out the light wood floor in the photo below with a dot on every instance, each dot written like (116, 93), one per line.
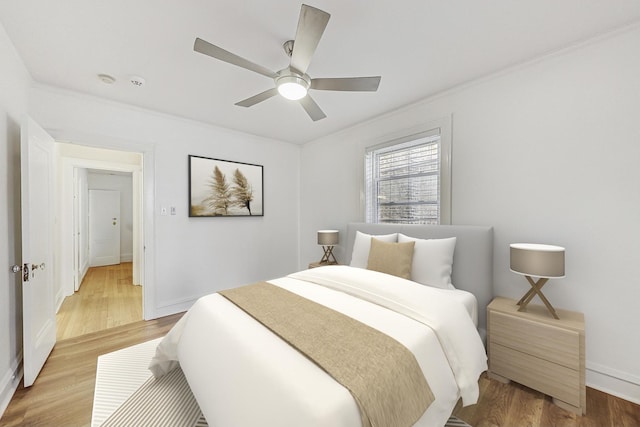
(107, 298)
(62, 395)
(518, 406)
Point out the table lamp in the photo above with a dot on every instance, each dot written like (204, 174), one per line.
(534, 260)
(328, 239)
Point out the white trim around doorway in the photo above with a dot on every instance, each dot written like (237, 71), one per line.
(143, 211)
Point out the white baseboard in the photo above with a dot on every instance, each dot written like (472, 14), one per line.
(9, 383)
(83, 273)
(126, 257)
(59, 299)
(611, 381)
(168, 308)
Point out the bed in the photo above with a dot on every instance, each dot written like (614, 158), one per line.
(472, 259)
(242, 374)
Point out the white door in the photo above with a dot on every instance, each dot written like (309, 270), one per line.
(76, 231)
(38, 299)
(104, 227)
(80, 226)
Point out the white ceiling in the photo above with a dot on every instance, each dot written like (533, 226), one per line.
(419, 47)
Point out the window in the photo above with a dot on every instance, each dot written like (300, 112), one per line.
(407, 180)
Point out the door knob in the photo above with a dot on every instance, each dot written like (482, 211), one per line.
(25, 271)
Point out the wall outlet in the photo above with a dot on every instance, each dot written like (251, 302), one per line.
(173, 210)
(163, 210)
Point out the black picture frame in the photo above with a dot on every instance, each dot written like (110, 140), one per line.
(224, 188)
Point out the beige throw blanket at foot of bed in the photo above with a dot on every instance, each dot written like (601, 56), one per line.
(382, 375)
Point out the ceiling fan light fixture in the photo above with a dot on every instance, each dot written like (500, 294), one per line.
(292, 87)
(293, 82)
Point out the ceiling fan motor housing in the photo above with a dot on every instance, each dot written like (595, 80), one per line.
(292, 85)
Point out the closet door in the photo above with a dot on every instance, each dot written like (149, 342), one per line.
(104, 227)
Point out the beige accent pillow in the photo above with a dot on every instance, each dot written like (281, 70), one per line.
(391, 258)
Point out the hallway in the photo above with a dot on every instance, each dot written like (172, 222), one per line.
(107, 298)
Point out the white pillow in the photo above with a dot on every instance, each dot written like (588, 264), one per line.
(362, 245)
(432, 261)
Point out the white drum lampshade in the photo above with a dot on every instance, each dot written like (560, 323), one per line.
(535, 260)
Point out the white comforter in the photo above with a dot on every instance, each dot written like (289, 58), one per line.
(243, 375)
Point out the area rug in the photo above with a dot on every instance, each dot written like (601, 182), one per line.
(118, 376)
(126, 394)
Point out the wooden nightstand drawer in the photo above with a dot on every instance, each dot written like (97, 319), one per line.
(557, 345)
(534, 349)
(555, 380)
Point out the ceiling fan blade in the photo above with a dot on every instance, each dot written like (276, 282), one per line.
(216, 52)
(312, 108)
(355, 84)
(311, 25)
(258, 98)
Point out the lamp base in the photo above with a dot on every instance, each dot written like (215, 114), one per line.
(536, 289)
(328, 257)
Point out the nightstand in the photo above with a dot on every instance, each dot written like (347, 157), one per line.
(320, 264)
(538, 351)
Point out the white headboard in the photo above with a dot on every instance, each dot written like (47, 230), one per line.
(472, 259)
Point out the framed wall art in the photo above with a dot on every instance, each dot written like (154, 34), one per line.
(224, 188)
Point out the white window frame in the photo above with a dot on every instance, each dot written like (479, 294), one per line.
(441, 127)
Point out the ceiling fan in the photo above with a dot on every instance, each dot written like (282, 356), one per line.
(292, 82)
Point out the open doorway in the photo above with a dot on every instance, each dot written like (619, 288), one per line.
(104, 290)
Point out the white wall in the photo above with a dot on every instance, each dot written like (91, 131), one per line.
(548, 152)
(123, 184)
(14, 83)
(192, 256)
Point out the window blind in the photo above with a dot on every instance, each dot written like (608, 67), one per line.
(402, 181)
